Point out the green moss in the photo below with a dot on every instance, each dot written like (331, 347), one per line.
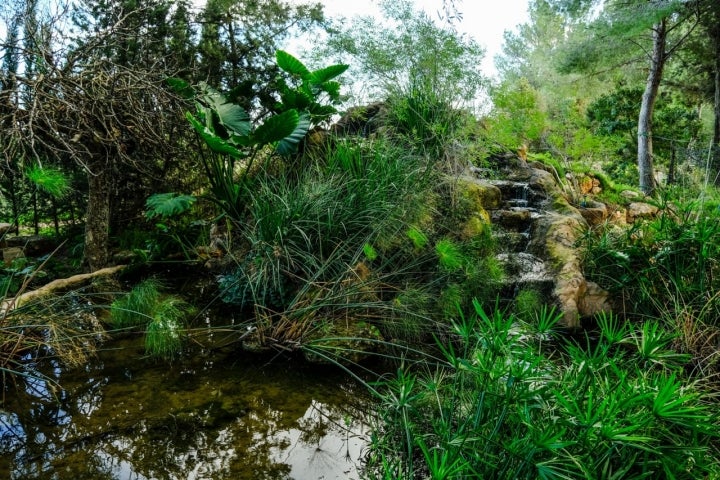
(476, 226)
(473, 197)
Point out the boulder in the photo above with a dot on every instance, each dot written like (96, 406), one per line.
(638, 210)
(594, 213)
(477, 195)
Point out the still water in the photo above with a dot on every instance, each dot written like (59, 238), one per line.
(219, 416)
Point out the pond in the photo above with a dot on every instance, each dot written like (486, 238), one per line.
(208, 416)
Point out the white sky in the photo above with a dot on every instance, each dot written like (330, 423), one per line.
(484, 20)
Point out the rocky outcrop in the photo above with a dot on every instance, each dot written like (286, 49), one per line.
(534, 208)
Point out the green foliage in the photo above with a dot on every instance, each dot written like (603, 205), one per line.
(135, 309)
(370, 252)
(302, 229)
(665, 269)
(658, 261)
(528, 303)
(517, 116)
(50, 180)
(161, 316)
(426, 73)
(501, 403)
(417, 237)
(449, 255)
(166, 205)
(409, 49)
(313, 92)
(164, 334)
(232, 136)
(425, 119)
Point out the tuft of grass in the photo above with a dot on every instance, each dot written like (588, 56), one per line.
(449, 254)
(162, 317)
(136, 308)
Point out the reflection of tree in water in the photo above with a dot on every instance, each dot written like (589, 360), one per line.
(136, 420)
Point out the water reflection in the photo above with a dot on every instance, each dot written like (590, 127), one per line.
(203, 418)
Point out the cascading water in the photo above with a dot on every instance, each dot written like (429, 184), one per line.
(513, 223)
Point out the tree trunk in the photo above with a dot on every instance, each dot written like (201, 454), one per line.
(645, 150)
(97, 221)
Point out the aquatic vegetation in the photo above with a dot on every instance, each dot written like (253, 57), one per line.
(161, 315)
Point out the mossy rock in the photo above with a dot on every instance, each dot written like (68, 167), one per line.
(476, 226)
(474, 195)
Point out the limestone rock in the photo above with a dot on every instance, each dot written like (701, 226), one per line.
(638, 210)
(576, 296)
(585, 184)
(594, 213)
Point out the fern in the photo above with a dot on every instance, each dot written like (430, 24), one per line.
(166, 205)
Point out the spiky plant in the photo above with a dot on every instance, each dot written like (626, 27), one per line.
(500, 406)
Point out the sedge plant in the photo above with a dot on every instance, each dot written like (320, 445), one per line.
(161, 316)
(503, 404)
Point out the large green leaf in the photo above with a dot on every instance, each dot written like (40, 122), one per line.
(291, 65)
(276, 128)
(296, 99)
(232, 116)
(215, 143)
(332, 89)
(289, 144)
(327, 73)
(181, 87)
(322, 111)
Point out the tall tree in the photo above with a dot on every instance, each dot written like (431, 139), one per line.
(238, 40)
(617, 36)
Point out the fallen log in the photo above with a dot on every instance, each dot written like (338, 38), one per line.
(59, 285)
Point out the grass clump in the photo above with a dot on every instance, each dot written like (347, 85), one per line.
(162, 317)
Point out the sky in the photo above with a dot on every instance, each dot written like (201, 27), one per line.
(484, 20)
